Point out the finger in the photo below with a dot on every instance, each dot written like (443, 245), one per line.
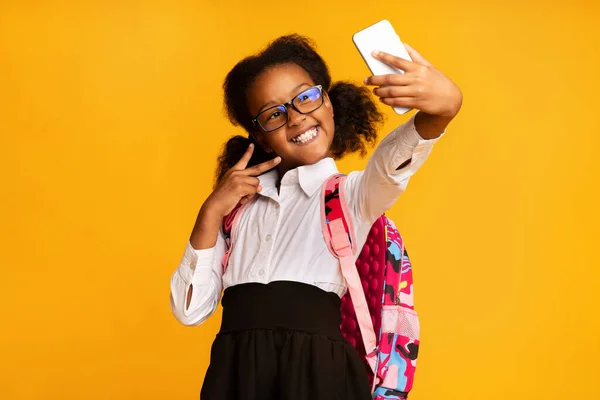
(395, 91)
(399, 101)
(394, 61)
(246, 190)
(246, 199)
(241, 183)
(416, 56)
(240, 165)
(260, 168)
(389, 80)
(250, 180)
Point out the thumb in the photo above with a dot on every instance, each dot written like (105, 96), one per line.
(416, 56)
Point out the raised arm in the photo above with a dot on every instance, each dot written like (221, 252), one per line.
(196, 284)
(400, 154)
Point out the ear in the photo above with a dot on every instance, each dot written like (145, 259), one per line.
(327, 102)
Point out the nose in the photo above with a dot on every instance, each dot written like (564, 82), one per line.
(294, 117)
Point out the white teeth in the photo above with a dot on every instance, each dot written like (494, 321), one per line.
(306, 136)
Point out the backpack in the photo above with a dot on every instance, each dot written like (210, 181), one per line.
(378, 316)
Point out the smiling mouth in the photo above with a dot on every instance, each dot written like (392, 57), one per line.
(307, 136)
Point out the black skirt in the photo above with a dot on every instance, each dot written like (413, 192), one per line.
(282, 341)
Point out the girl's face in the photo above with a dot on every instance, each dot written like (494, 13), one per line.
(304, 138)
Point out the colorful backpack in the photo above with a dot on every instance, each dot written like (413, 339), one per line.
(380, 292)
(379, 298)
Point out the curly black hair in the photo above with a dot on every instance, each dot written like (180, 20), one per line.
(357, 118)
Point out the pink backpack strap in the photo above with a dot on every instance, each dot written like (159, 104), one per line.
(229, 229)
(338, 231)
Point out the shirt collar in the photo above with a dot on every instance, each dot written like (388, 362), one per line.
(310, 177)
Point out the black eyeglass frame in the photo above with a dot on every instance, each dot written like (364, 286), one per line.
(289, 103)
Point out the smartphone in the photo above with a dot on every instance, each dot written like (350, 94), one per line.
(381, 36)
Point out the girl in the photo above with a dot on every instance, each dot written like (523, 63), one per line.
(280, 336)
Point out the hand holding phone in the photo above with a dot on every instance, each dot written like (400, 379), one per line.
(381, 36)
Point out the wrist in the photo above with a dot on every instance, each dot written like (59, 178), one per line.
(430, 126)
(206, 229)
(209, 213)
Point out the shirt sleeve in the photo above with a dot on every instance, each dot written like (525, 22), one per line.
(373, 191)
(201, 270)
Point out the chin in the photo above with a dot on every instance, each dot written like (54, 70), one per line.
(315, 158)
(307, 155)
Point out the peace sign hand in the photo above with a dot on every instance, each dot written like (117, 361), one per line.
(239, 184)
(422, 86)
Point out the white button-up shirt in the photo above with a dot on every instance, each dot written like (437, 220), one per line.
(279, 234)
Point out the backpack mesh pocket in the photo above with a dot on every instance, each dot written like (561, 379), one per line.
(400, 320)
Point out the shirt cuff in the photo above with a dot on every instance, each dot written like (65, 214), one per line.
(410, 144)
(410, 136)
(196, 265)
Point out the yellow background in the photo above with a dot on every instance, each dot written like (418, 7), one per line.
(111, 120)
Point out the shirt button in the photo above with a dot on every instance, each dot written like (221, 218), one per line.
(261, 272)
(277, 206)
(268, 238)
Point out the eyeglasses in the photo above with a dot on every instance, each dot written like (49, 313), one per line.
(275, 117)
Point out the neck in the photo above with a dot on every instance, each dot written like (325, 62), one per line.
(283, 168)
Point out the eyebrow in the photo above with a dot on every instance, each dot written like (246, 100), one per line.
(272, 103)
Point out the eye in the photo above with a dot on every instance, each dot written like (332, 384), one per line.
(311, 94)
(276, 114)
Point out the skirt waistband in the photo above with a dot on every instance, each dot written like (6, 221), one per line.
(281, 305)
